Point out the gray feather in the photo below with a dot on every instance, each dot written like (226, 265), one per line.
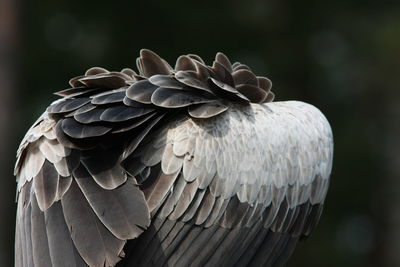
(122, 210)
(62, 249)
(40, 246)
(46, 184)
(104, 248)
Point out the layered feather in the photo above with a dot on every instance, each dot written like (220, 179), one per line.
(175, 157)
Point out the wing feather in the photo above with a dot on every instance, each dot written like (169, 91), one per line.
(104, 248)
(122, 210)
(62, 249)
(40, 246)
(239, 183)
(257, 173)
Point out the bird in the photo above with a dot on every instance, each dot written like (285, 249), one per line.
(191, 165)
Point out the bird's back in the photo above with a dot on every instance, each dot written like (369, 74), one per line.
(245, 191)
(170, 167)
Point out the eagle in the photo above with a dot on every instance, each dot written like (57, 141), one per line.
(187, 166)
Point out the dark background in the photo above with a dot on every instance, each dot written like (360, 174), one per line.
(342, 56)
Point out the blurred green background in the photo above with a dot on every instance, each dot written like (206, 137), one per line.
(341, 56)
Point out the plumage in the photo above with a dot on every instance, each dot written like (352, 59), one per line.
(192, 165)
(141, 91)
(90, 116)
(74, 129)
(45, 185)
(68, 105)
(175, 98)
(81, 221)
(103, 81)
(188, 80)
(62, 250)
(117, 114)
(40, 246)
(207, 110)
(126, 213)
(109, 97)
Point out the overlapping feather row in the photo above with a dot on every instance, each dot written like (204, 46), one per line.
(206, 90)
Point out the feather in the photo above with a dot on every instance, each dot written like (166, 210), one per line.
(136, 141)
(62, 250)
(224, 246)
(68, 105)
(45, 184)
(224, 61)
(217, 211)
(185, 244)
(28, 235)
(165, 81)
(190, 79)
(78, 130)
(205, 208)
(266, 249)
(245, 77)
(75, 91)
(223, 73)
(264, 83)
(40, 246)
(234, 213)
(33, 162)
(104, 248)
(190, 171)
(185, 63)
(242, 244)
(194, 205)
(175, 98)
(170, 242)
(170, 163)
(196, 57)
(151, 64)
(171, 201)
(122, 210)
(132, 103)
(96, 70)
(270, 97)
(105, 168)
(92, 115)
(49, 151)
(114, 96)
(158, 191)
(129, 125)
(253, 93)
(103, 81)
(201, 244)
(123, 113)
(225, 87)
(85, 108)
(207, 110)
(141, 91)
(185, 200)
(62, 167)
(63, 185)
